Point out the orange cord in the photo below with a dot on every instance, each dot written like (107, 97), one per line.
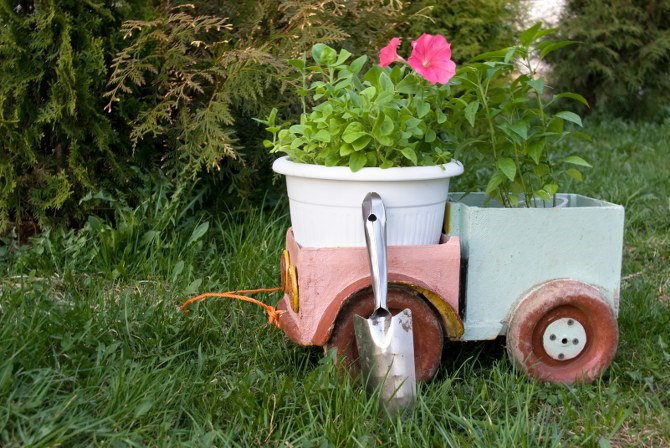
(273, 313)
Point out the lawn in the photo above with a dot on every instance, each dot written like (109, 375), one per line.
(95, 351)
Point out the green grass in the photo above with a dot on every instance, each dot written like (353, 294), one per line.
(94, 350)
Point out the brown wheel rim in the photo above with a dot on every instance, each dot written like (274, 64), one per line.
(563, 300)
(427, 329)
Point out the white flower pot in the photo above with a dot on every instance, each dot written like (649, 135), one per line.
(325, 202)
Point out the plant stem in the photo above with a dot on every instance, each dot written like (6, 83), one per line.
(492, 135)
(304, 83)
(518, 169)
(540, 105)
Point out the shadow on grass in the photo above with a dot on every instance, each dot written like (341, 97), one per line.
(468, 356)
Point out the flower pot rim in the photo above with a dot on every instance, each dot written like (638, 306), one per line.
(287, 167)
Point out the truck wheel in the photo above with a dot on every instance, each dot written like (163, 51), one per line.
(563, 332)
(426, 327)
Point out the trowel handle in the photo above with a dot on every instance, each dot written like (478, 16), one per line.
(374, 217)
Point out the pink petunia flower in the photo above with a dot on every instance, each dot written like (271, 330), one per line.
(389, 54)
(431, 58)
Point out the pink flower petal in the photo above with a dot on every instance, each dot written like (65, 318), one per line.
(388, 54)
(445, 71)
(431, 58)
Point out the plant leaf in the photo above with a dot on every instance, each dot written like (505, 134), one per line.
(361, 143)
(604, 443)
(575, 174)
(143, 408)
(471, 112)
(178, 268)
(422, 109)
(369, 92)
(570, 116)
(383, 126)
(510, 54)
(297, 63)
(529, 35)
(198, 233)
(494, 182)
(346, 149)
(551, 189)
(407, 85)
(553, 46)
(192, 288)
(323, 54)
(343, 56)
(582, 135)
(150, 236)
(535, 150)
(556, 125)
(490, 55)
(409, 154)
(576, 160)
(537, 84)
(385, 83)
(353, 131)
(520, 128)
(297, 129)
(574, 96)
(440, 116)
(357, 161)
(332, 159)
(357, 64)
(508, 167)
(322, 136)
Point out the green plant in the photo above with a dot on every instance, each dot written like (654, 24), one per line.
(56, 138)
(380, 117)
(58, 141)
(513, 129)
(293, 26)
(194, 75)
(190, 80)
(622, 64)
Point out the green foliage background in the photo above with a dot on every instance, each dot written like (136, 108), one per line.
(56, 139)
(185, 108)
(471, 26)
(621, 63)
(184, 93)
(199, 74)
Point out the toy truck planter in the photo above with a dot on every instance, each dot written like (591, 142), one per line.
(546, 278)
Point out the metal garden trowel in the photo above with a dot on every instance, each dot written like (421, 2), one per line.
(385, 344)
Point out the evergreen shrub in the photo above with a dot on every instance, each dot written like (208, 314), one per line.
(198, 74)
(187, 105)
(56, 139)
(621, 63)
(472, 26)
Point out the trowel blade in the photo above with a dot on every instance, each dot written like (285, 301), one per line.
(386, 355)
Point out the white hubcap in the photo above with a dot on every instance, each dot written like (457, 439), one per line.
(564, 339)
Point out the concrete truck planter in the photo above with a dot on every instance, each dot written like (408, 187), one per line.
(546, 278)
(325, 202)
(534, 273)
